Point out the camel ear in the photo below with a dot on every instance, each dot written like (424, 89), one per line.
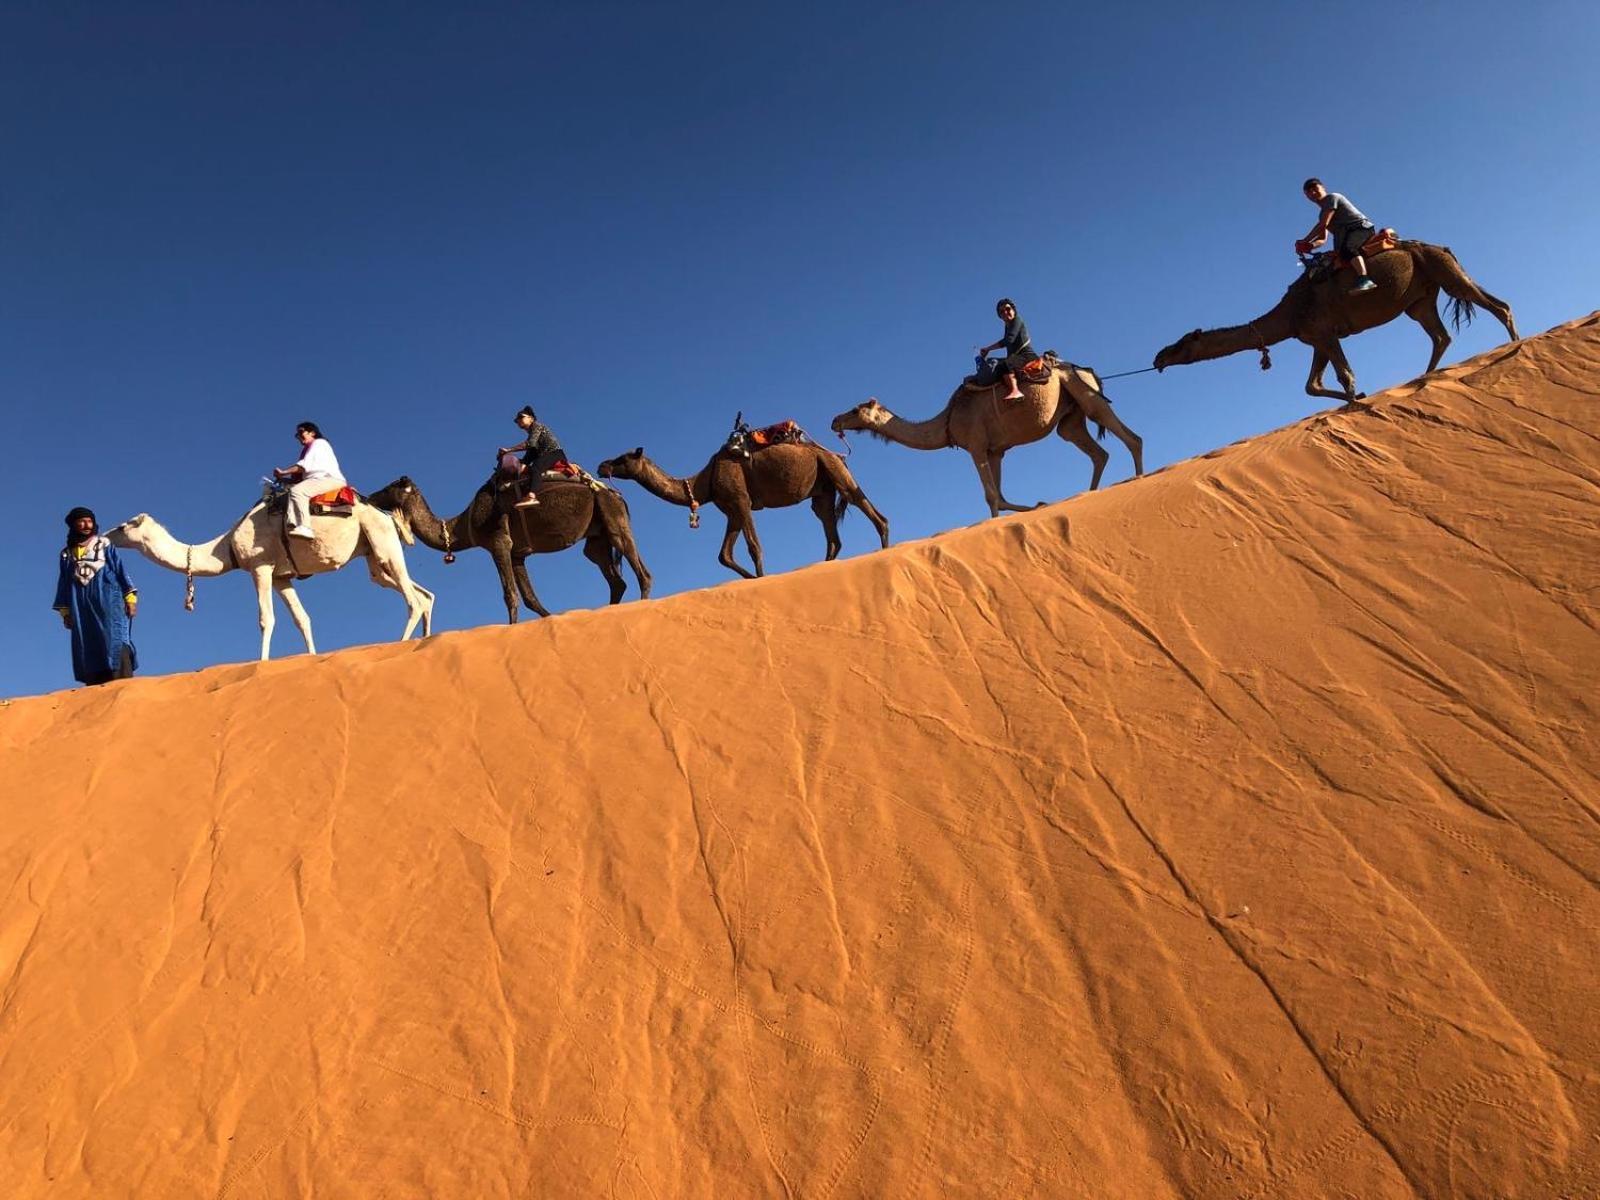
(638, 451)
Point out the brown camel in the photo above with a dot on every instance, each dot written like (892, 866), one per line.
(773, 477)
(1409, 280)
(986, 426)
(566, 513)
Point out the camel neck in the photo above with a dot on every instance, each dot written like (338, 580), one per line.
(931, 434)
(436, 532)
(212, 557)
(1270, 328)
(675, 489)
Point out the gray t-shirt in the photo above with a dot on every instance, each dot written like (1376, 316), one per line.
(1346, 216)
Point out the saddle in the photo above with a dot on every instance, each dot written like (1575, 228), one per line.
(513, 475)
(744, 441)
(341, 502)
(1320, 266)
(1037, 370)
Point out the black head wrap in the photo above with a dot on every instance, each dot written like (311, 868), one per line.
(527, 411)
(79, 512)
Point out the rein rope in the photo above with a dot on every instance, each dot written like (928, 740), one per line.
(1266, 357)
(694, 505)
(188, 579)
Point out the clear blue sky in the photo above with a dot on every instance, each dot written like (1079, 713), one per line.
(405, 221)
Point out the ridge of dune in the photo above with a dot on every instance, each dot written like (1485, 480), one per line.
(1232, 832)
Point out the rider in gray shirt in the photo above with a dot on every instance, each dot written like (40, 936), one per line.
(1349, 226)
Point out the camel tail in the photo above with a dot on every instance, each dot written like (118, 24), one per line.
(841, 505)
(1467, 296)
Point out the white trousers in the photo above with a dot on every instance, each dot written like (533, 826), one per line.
(300, 498)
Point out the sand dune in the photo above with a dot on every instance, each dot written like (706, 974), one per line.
(1229, 833)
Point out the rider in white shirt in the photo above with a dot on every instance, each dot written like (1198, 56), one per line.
(316, 472)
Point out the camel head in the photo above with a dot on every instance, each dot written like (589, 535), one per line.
(395, 495)
(623, 466)
(869, 416)
(1180, 352)
(131, 532)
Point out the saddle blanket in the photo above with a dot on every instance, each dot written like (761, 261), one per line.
(340, 502)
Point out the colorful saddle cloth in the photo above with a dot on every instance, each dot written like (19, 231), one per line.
(744, 441)
(1320, 266)
(341, 502)
(1034, 371)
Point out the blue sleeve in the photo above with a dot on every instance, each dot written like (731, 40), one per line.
(120, 573)
(63, 594)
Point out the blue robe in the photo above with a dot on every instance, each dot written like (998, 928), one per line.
(93, 590)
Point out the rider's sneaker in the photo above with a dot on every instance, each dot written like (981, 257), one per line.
(1364, 284)
(528, 501)
(302, 531)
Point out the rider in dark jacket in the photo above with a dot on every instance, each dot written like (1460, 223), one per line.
(540, 451)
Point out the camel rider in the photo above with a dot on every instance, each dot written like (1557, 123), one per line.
(1350, 228)
(1018, 347)
(540, 452)
(316, 472)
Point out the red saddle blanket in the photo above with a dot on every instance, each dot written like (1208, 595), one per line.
(344, 497)
(774, 435)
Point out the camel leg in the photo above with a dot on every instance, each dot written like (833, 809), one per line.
(598, 551)
(822, 503)
(1425, 312)
(620, 534)
(392, 573)
(263, 577)
(1075, 429)
(752, 543)
(519, 568)
(994, 474)
(991, 494)
(1341, 368)
(851, 493)
(1459, 286)
(499, 548)
(284, 586)
(725, 555)
(1320, 356)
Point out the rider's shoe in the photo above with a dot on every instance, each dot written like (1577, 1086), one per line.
(302, 531)
(1364, 284)
(528, 501)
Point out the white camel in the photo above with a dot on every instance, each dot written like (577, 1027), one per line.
(257, 544)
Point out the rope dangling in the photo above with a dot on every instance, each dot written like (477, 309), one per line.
(188, 579)
(694, 505)
(1266, 355)
(449, 554)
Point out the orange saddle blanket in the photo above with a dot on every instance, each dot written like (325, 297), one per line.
(340, 502)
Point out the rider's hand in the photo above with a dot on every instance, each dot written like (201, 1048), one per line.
(66, 620)
(1302, 247)
(132, 606)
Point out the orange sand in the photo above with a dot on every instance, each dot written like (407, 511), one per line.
(1230, 833)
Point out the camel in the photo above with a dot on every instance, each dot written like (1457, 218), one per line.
(257, 543)
(773, 477)
(566, 513)
(986, 426)
(1409, 280)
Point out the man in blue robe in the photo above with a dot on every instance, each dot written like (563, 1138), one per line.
(96, 601)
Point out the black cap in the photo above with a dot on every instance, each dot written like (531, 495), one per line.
(527, 411)
(80, 511)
